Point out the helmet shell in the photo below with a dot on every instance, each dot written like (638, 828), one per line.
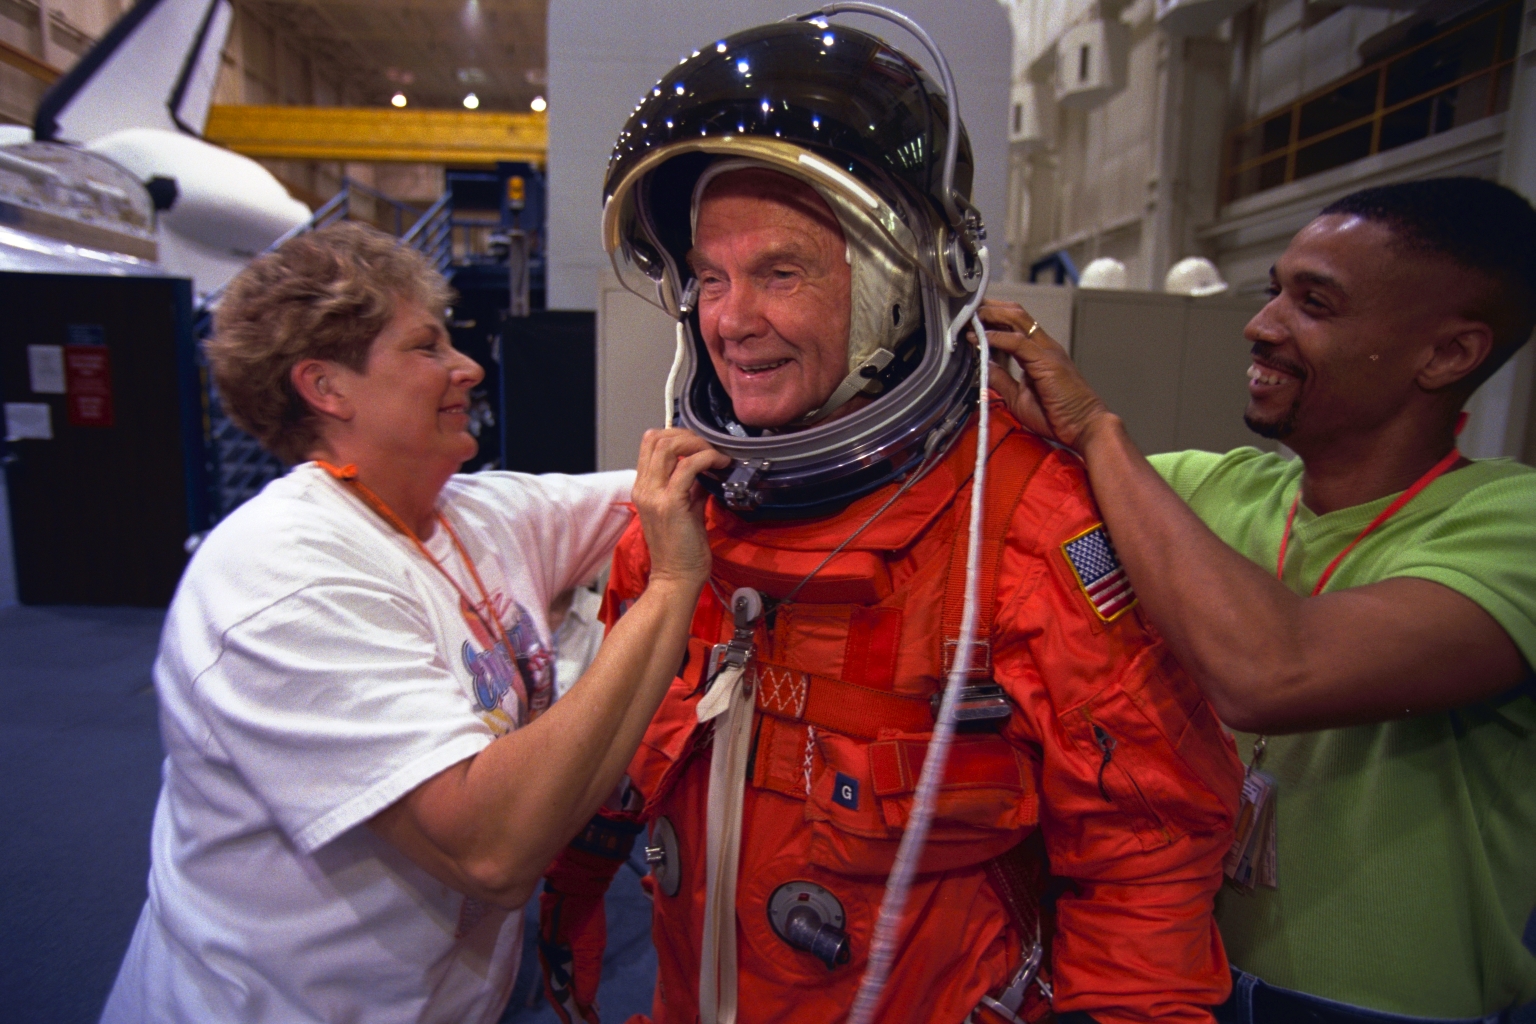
(840, 93)
(843, 109)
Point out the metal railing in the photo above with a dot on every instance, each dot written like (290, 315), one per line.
(447, 238)
(405, 214)
(432, 234)
(1460, 75)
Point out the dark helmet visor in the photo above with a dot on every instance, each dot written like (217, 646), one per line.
(839, 92)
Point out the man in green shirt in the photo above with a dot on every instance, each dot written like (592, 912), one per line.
(1390, 663)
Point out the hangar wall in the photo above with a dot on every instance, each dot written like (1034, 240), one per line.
(265, 65)
(602, 56)
(73, 28)
(1144, 171)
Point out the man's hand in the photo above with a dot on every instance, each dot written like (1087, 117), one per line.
(1268, 660)
(1053, 399)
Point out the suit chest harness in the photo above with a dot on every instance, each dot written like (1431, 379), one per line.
(888, 610)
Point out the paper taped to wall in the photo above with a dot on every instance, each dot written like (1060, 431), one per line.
(28, 421)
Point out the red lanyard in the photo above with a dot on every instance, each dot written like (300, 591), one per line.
(348, 475)
(1424, 481)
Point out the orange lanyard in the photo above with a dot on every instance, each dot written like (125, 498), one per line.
(348, 475)
(1391, 510)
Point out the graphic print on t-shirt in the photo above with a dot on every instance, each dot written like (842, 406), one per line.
(511, 687)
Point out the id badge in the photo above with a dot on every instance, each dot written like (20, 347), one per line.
(1250, 861)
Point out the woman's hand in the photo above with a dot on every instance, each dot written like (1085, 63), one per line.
(671, 503)
(1053, 399)
(490, 825)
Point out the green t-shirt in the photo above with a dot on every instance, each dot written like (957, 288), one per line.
(1406, 851)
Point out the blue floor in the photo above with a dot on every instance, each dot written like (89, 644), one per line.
(629, 968)
(80, 759)
(80, 756)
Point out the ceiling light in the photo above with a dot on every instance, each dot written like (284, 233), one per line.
(398, 100)
(538, 105)
(471, 101)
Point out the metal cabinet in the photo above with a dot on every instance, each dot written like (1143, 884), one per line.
(104, 463)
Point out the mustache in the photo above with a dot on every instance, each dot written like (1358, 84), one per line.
(1266, 354)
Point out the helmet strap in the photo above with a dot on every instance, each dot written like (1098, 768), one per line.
(861, 377)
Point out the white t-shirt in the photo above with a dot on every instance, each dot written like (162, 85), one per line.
(578, 638)
(313, 670)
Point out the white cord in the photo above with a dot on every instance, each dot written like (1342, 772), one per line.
(883, 943)
(678, 356)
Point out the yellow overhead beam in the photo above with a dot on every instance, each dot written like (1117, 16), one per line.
(16, 57)
(377, 135)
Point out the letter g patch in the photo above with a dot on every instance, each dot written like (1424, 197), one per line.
(845, 791)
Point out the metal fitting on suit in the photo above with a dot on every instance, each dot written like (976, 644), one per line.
(811, 919)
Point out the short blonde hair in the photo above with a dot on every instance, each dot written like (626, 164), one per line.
(325, 294)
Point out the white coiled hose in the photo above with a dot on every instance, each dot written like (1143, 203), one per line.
(886, 937)
(679, 354)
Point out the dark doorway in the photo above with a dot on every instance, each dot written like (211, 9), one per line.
(549, 384)
(98, 372)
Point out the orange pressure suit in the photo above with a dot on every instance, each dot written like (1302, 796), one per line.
(1110, 753)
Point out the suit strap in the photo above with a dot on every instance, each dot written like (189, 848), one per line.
(1018, 876)
(1010, 467)
(835, 704)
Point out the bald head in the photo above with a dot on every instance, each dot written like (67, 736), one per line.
(761, 184)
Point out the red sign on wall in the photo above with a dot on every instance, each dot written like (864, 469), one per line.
(88, 385)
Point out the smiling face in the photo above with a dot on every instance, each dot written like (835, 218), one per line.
(1352, 321)
(412, 399)
(774, 295)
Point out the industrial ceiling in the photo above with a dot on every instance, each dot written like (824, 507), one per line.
(434, 52)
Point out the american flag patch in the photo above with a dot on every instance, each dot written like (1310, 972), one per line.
(1099, 573)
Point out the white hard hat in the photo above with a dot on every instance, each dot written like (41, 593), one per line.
(1194, 275)
(1104, 272)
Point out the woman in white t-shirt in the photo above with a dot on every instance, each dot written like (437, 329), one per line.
(364, 774)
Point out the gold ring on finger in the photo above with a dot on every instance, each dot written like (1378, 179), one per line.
(1033, 327)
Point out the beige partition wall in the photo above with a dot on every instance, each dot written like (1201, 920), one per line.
(1050, 304)
(635, 342)
(1173, 367)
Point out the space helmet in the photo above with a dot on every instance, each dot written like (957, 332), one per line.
(865, 126)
